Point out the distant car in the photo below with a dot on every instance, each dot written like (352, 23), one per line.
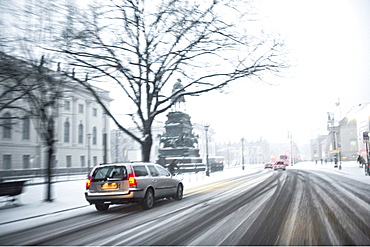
(280, 165)
(122, 183)
(268, 165)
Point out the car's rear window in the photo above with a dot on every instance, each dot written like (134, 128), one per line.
(140, 171)
(112, 172)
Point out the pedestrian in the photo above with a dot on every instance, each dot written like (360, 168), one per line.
(172, 166)
(359, 160)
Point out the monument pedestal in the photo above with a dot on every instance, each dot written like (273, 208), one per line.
(178, 141)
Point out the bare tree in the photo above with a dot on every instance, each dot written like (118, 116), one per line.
(29, 88)
(32, 90)
(43, 107)
(144, 46)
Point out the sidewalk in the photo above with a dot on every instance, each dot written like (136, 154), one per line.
(31, 209)
(349, 168)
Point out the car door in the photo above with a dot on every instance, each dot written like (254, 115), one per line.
(156, 181)
(142, 176)
(169, 185)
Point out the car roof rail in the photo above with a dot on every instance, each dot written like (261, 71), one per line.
(140, 162)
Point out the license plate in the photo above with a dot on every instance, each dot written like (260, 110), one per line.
(110, 186)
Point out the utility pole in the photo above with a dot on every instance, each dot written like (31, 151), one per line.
(206, 127)
(291, 148)
(331, 121)
(366, 141)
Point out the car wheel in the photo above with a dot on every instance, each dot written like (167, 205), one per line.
(179, 192)
(102, 207)
(148, 199)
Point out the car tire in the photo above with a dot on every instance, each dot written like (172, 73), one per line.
(148, 199)
(102, 207)
(179, 192)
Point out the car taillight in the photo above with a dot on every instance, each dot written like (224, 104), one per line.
(132, 180)
(88, 183)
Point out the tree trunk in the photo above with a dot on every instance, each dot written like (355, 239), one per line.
(48, 182)
(146, 147)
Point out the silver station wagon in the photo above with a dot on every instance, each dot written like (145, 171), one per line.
(122, 183)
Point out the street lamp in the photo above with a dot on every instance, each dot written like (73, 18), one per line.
(206, 129)
(331, 121)
(243, 153)
(290, 136)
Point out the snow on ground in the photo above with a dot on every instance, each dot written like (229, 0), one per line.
(31, 209)
(349, 168)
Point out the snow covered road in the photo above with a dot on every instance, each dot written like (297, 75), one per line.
(300, 206)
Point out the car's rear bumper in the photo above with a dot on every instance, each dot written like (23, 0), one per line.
(114, 198)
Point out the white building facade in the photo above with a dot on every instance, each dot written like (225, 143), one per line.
(81, 133)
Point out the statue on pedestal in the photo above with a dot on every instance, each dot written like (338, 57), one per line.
(180, 101)
(178, 140)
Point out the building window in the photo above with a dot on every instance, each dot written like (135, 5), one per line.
(94, 136)
(53, 161)
(26, 161)
(7, 126)
(26, 128)
(95, 112)
(67, 105)
(66, 131)
(69, 160)
(80, 108)
(82, 158)
(80, 133)
(7, 162)
(95, 160)
(104, 139)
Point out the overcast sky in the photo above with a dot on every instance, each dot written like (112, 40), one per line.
(329, 41)
(329, 44)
